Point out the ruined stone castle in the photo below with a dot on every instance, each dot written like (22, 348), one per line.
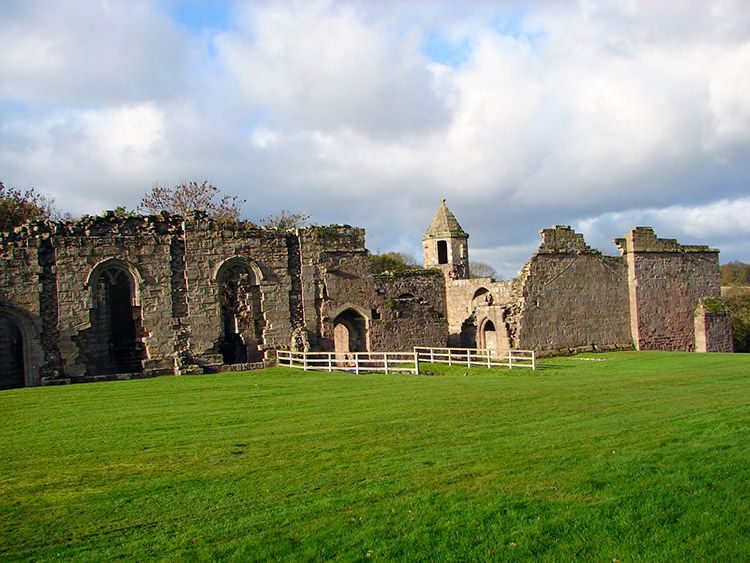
(115, 297)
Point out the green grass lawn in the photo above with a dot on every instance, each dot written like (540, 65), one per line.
(642, 457)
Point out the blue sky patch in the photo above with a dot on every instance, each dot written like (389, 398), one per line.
(200, 15)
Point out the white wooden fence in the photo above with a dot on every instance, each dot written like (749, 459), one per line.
(388, 362)
(406, 362)
(478, 357)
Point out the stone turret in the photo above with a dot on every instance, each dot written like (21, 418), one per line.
(445, 245)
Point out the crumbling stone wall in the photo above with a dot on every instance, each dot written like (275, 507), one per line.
(192, 288)
(211, 244)
(666, 281)
(713, 327)
(465, 296)
(572, 295)
(411, 310)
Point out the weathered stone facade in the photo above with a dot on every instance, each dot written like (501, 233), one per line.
(112, 297)
(569, 297)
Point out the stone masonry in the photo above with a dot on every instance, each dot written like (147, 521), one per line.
(130, 296)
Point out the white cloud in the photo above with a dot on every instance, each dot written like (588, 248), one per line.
(81, 53)
(597, 114)
(320, 65)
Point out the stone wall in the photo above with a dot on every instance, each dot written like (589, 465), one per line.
(713, 327)
(464, 297)
(210, 246)
(411, 310)
(572, 296)
(100, 296)
(666, 280)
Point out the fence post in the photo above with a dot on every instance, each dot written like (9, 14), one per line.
(533, 360)
(330, 362)
(416, 362)
(450, 356)
(468, 357)
(510, 359)
(385, 361)
(304, 361)
(489, 356)
(356, 363)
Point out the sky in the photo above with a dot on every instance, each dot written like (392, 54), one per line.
(598, 115)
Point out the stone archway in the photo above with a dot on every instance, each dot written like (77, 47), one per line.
(20, 349)
(350, 332)
(12, 372)
(489, 339)
(116, 336)
(242, 317)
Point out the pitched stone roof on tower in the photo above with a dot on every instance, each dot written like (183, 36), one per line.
(444, 224)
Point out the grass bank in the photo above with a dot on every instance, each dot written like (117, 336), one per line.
(641, 457)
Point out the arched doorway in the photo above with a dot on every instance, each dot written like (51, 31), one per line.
(115, 338)
(350, 332)
(11, 354)
(241, 313)
(489, 336)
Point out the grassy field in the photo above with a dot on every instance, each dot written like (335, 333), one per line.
(641, 457)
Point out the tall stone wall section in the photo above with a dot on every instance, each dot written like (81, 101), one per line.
(666, 280)
(335, 274)
(572, 296)
(22, 300)
(209, 244)
(141, 244)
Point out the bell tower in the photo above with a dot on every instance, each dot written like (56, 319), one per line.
(445, 245)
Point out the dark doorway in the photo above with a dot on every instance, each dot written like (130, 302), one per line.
(241, 315)
(115, 344)
(469, 333)
(11, 354)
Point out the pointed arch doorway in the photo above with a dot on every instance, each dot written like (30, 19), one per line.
(351, 331)
(116, 335)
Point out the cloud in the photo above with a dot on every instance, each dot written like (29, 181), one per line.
(601, 115)
(321, 66)
(81, 53)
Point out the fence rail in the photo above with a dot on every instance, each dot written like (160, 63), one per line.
(388, 362)
(405, 362)
(478, 357)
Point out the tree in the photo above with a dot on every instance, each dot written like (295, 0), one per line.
(285, 220)
(17, 207)
(735, 273)
(739, 306)
(193, 195)
(393, 262)
(480, 269)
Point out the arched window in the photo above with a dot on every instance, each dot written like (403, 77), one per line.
(116, 335)
(482, 296)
